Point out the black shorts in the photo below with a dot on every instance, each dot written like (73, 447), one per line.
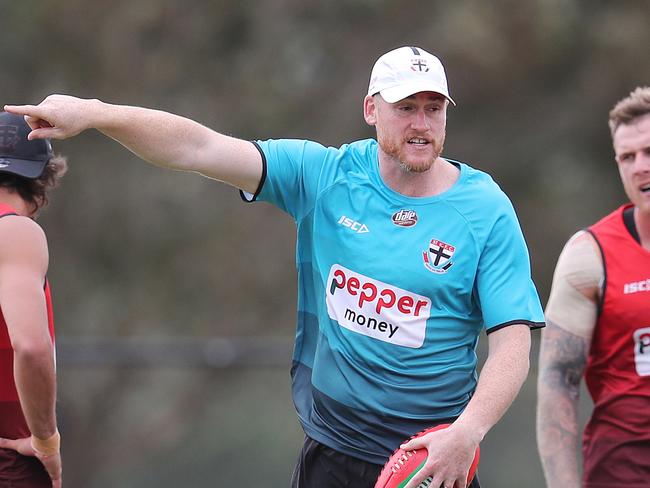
(319, 466)
(18, 471)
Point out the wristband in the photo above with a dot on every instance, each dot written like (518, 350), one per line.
(47, 447)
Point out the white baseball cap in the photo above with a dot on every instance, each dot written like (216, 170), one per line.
(406, 71)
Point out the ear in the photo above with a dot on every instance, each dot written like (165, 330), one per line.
(370, 110)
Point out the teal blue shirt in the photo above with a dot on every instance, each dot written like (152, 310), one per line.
(393, 291)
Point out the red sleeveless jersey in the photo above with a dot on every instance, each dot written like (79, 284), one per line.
(616, 441)
(12, 421)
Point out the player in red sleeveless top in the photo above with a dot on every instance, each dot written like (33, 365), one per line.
(29, 438)
(598, 325)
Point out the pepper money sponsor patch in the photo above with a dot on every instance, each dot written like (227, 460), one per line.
(376, 309)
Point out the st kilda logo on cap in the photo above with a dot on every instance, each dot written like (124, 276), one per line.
(8, 137)
(405, 218)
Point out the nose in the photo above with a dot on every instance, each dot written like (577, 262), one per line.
(642, 161)
(420, 121)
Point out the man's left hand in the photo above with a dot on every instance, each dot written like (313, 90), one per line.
(450, 455)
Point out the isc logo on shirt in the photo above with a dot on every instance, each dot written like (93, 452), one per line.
(636, 286)
(376, 309)
(642, 351)
(357, 227)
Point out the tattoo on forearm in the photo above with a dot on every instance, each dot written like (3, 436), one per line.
(563, 357)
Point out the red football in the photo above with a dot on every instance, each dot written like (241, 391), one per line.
(402, 465)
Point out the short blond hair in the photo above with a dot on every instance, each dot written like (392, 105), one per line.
(635, 105)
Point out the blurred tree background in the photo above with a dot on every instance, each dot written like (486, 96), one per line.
(144, 254)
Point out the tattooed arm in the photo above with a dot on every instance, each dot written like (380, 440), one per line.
(563, 356)
(571, 316)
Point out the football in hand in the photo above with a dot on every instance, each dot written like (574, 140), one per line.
(403, 465)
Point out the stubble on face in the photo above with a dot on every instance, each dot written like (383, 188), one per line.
(397, 150)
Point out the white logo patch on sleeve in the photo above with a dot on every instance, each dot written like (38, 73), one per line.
(376, 309)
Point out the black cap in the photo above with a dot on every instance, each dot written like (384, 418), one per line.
(18, 155)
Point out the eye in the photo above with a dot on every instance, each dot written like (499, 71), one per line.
(625, 157)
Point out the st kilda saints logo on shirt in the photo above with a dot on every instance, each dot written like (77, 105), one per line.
(405, 218)
(437, 258)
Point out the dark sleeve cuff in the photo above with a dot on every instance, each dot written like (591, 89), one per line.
(531, 325)
(251, 197)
